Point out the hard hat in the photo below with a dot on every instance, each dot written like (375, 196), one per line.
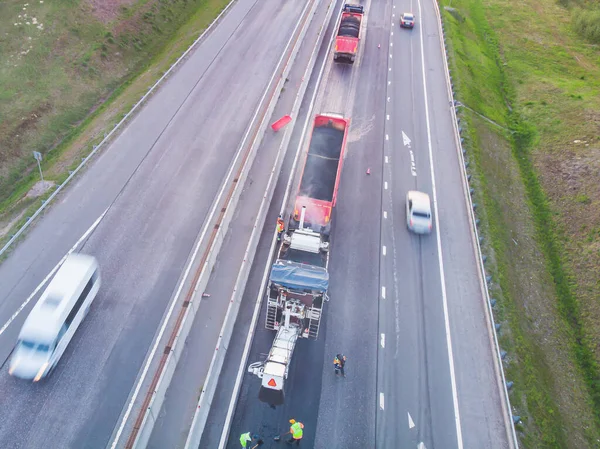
(255, 436)
(292, 421)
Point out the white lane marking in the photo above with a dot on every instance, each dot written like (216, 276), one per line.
(439, 247)
(388, 99)
(216, 203)
(389, 82)
(389, 69)
(386, 160)
(381, 401)
(382, 341)
(384, 249)
(392, 31)
(383, 292)
(411, 423)
(391, 44)
(39, 287)
(406, 139)
(421, 445)
(390, 56)
(384, 214)
(385, 185)
(387, 116)
(413, 164)
(387, 137)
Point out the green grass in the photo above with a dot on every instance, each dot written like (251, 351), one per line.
(519, 71)
(78, 81)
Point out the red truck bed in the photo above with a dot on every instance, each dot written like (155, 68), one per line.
(348, 34)
(322, 170)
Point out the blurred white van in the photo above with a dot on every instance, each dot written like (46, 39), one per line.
(54, 319)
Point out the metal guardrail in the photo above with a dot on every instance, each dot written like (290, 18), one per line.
(473, 222)
(116, 128)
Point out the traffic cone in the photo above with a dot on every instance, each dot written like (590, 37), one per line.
(368, 171)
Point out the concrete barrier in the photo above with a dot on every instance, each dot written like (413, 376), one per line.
(476, 238)
(140, 436)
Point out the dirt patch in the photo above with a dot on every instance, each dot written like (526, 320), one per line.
(39, 188)
(108, 10)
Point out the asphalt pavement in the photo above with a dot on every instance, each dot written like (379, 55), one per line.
(159, 179)
(418, 402)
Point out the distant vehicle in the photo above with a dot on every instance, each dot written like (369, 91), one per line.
(54, 319)
(418, 212)
(407, 20)
(348, 34)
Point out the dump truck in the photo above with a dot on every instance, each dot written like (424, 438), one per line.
(348, 34)
(298, 281)
(318, 187)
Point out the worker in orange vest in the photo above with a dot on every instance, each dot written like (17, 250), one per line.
(280, 227)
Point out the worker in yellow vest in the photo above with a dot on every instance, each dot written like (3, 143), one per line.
(280, 227)
(296, 431)
(245, 438)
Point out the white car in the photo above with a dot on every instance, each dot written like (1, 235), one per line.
(418, 212)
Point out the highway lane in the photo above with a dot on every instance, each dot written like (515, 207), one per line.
(479, 388)
(347, 407)
(415, 373)
(160, 177)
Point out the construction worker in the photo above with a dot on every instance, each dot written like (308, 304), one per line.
(296, 431)
(280, 227)
(245, 438)
(338, 364)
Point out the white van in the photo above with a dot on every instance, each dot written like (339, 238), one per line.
(55, 318)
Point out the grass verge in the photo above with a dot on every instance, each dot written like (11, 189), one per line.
(527, 73)
(90, 66)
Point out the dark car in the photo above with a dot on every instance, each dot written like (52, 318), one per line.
(407, 20)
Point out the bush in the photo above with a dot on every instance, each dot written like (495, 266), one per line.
(587, 24)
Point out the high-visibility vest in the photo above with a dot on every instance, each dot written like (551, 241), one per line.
(245, 438)
(297, 430)
(280, 226)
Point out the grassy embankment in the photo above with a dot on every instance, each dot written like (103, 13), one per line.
(69, 71)
(528, 67)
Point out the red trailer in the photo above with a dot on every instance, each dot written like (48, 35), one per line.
(321, 173)
(348, 34)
